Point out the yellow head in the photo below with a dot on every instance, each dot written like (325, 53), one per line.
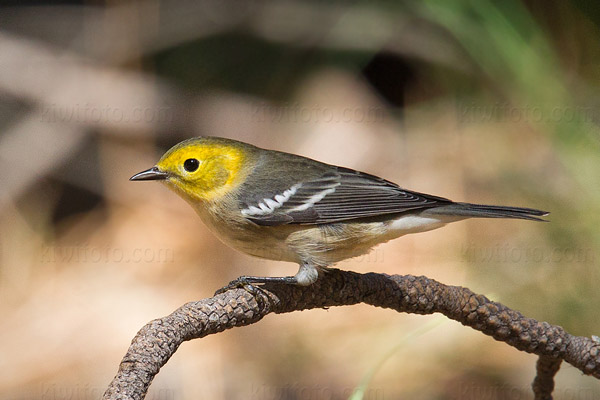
(202, 169)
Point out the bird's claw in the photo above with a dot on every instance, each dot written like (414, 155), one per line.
(241, 283)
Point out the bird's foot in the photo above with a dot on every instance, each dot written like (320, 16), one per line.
(248, 283)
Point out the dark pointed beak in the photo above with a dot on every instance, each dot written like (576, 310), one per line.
(152, 174)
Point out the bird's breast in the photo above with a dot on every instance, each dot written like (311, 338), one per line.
(245, 236)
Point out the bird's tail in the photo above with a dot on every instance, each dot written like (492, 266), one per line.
(468, 210)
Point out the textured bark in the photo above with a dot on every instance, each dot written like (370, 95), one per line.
(543, 384)
(156, 342)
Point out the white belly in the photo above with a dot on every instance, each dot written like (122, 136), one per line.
(322, 245)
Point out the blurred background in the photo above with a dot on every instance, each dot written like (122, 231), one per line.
(481, 101)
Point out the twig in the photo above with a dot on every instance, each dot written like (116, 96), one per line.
(543, 384)
(156, 342)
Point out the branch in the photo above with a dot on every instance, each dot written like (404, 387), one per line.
(543, 384)
(156, 342)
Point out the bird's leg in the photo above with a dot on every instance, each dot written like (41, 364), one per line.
(247, 283)
(307, 275)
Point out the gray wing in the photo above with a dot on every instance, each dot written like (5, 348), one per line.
(336, 194)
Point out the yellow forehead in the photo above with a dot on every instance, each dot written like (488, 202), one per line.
(209, 182)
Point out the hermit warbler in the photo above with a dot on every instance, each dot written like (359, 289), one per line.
(287, 207)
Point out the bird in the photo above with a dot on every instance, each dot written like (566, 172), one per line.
(286, 207)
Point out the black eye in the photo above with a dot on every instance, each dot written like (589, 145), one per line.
(191, 164)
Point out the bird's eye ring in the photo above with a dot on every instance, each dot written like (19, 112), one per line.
(191, 164)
